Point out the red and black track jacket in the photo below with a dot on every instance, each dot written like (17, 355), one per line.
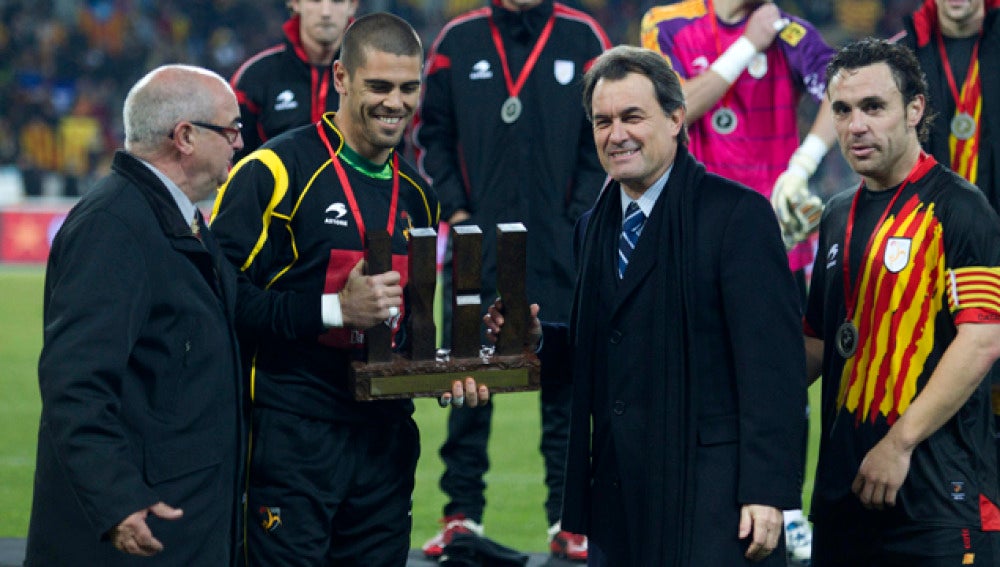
(278, 89)
(542, 169)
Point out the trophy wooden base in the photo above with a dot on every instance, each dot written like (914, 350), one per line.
(405, 378)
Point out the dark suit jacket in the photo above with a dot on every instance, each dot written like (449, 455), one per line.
(142, 399)
(692, 368)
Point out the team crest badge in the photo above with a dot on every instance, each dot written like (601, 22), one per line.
(897, 254)
(564, 71)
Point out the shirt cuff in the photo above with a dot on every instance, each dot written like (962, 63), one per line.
(332, 315)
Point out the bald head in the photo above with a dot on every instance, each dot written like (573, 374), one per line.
(184, 121)
(166, 96)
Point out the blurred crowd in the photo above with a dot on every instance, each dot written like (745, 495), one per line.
(65, 64)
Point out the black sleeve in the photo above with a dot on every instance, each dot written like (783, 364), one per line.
(436, 137)
(762, 311)
(249, 115)
(96, 306)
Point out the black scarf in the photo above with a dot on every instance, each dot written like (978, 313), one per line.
(667, 475)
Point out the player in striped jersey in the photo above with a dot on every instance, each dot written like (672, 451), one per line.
(903, 320)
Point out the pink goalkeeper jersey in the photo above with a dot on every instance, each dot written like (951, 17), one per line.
(764, 98)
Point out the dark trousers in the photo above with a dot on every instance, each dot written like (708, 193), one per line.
(466, 459)
(325, 493)
(464, 452)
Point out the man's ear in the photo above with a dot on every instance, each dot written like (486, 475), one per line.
(677, 118)
(915, 110)
(340, 77)
(182, 137)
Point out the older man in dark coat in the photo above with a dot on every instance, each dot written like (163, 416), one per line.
(142, 432)
(142, 437)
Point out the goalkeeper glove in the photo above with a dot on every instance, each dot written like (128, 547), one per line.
(798, 210)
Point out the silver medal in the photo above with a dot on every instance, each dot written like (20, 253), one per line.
(963, 126)
(847, 339)
(724, 120)
(511, 110)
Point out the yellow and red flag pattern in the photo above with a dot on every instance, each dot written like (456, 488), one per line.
(900, 294)
(965, 153)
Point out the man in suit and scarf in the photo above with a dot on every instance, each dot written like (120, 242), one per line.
(686, 435)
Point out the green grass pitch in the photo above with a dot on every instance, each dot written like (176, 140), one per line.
(515, 515)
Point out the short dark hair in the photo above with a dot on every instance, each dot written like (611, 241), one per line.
(382, 32)
(903, 64)
(616, 63)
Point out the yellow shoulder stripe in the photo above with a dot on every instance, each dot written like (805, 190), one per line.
(280, 175)
(648, 31)
(688, 9)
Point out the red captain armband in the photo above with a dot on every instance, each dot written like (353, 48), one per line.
(974, 294)
(338, 268)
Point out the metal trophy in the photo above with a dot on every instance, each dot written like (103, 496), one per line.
(424, 371)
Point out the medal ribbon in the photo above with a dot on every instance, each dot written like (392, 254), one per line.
(514, 88)
(924, 163)
(346, 185)
(965, 103)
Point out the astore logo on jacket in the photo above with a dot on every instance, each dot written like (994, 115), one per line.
(285, 101)
(338, 209)
(481, 70)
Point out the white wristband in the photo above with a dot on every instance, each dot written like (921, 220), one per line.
(808, 155)
(730, 64)
(332, 315)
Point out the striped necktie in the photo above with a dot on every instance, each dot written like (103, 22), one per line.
(631, 229)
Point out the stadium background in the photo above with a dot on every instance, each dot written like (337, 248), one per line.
(65, 66)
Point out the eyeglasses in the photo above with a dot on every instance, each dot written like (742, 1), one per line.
(230, 133)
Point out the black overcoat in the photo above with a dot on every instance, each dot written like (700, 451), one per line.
(694, 363)
(142, 397)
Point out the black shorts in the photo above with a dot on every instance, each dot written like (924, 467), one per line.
(848, 535)
(324, 493)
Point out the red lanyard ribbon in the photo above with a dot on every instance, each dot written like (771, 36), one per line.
(923, 165)
(346, 185)
(514, 88)
(961, 102)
